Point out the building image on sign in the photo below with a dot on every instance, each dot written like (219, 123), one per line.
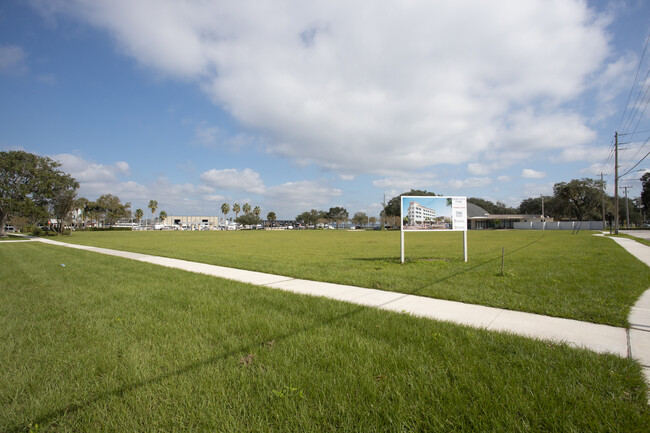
(418, 214)
(432, 213)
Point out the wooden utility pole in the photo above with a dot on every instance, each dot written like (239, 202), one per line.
(627, 207)
(602, 185)
(616, 183)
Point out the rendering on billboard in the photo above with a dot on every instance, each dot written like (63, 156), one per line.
(431, 213)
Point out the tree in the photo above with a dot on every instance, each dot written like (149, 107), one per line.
(498, 208)
(257, 211)
(80, 205)
(153, 205)
(645, 192)
(62, 205)
(236, 209)
(162, 216)
(531, 206)
(271, 217)
(225, 208)
(338, 215)
(138, 215)
(248, 219)
(111, 209)
(311, 217)
(360, 218)
(583, 197)
(394, 205)
(28, 184)
(246, 208)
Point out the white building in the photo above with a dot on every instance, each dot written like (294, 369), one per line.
(418, 214)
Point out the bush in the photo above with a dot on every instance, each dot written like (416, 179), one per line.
(35, 230)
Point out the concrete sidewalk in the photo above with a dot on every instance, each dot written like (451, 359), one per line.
(639, 332)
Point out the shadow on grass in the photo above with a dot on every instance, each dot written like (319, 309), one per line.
(396, 261)
(47, 418)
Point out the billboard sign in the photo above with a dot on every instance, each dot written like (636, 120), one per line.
(434, 213)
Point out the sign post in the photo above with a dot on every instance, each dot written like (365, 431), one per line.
(433, 213)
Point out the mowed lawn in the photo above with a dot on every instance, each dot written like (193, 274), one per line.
(578, 276)
(97, 343)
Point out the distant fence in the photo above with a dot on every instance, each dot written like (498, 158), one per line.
(560, 225)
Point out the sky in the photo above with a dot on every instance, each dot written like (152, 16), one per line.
(294, 105)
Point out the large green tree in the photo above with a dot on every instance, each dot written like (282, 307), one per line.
(311, 217)
(111, 209)
(236, 208)
(271, 217)
(360, 218)
(393, 206)
(582, 197)
(28, 185)
(338, 215)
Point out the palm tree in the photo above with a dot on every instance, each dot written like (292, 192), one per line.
(162, 216)
(271, 217)
(257, 211)
(236, 209)
(225, 208)
(138, 215)
(153, 205)
(246, 208)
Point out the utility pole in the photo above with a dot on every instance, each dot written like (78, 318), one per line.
(627, 206)
(616, 183)
(543, 217)
(602, 185)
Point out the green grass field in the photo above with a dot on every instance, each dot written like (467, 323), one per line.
(579, 276)
(109, 344)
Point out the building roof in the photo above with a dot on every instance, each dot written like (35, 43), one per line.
(474, 211)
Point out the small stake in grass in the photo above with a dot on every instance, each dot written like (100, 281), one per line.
(502, 254)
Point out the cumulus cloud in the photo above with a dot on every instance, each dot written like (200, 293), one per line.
(529, 173)
(472, 182)
(375, 87)
(231, 179)
(292, 198)
(404, 183)
(96, 179)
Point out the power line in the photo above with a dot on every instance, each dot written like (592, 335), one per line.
(634, 83)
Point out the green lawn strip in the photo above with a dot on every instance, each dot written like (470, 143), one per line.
(577, 276)
(10, 237)
(640, 240)
(108, 344)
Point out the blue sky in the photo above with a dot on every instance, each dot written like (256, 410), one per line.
(293, 105)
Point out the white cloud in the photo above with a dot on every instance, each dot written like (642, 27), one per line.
(292, 198)
(13, 59)
(232, 179)
(529, 173)
(472, 182)
(91, 172)
(375, 87)
(582, 153)
(424, 181)
(504, 178)
(206, 135)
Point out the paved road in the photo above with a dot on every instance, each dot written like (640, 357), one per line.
(643, 234)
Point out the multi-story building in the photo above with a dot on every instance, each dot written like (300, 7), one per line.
(418, 214)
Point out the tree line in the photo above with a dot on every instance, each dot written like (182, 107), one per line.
(580, 199)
